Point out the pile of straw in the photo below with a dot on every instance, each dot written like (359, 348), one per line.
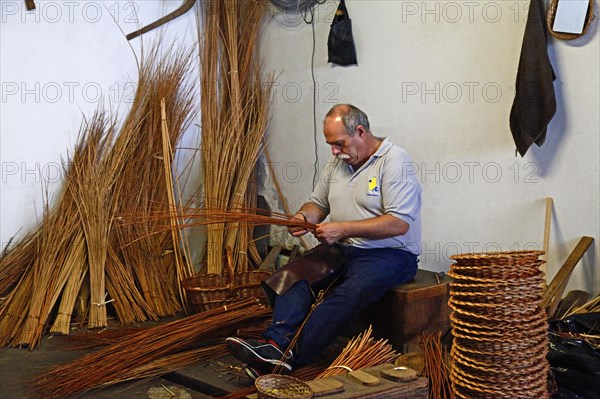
(149, 352)
(78, 254)
(499, 326)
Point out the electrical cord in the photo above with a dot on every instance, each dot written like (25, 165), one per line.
(314, 103)
(306, 7)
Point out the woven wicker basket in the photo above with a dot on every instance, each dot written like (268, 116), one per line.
(276, 386)
(499, 327)
(568, 36)
(209, 291)
(499, 271)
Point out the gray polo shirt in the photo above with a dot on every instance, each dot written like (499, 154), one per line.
(383, 185)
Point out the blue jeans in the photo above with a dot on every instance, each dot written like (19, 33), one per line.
(363, 279)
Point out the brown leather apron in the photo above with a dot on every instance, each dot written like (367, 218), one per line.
(315, 266)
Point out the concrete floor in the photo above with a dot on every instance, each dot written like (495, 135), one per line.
(18, 367)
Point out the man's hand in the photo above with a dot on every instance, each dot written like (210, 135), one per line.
(310, 213)
(330, 233)
(298, 231)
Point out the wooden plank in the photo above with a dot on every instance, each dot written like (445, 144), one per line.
(559, 282)
(547, 223)
(269, 261)
(325, 386)
(400, 374)
(364, 378)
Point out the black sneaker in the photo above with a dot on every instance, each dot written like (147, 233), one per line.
(259, 353)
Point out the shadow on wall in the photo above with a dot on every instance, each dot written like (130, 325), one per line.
(546, 154)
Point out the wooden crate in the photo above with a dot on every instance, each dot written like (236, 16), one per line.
(410, 309)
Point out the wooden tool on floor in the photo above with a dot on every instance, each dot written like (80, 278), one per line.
(325, 387)
(556, 288)
(400, 374)
(364, 378)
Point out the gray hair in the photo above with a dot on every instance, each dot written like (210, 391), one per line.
(351, 117)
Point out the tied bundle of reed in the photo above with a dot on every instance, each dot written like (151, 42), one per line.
(361, 352)
(234, 111)
(216, 219)
(59, 250)
(92, 188)
(146, 351)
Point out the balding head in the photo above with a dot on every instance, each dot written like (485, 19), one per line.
(351, 117)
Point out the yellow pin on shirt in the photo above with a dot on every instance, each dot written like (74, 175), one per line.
(372, 183)
(373, 187)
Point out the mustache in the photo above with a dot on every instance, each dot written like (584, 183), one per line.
(342, 156)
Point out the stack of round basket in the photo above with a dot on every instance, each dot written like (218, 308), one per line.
(499, 326)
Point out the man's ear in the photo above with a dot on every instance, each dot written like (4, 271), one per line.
(360, 129)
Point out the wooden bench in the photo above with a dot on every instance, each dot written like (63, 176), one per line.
(407, 310)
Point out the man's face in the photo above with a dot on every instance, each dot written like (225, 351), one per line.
(343, 146)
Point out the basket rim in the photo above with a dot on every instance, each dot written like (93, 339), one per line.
(505, 281)
(498, 254)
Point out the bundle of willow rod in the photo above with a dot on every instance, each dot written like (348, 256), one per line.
(76, 254)
(141, 185)
(361, 352)
(181, 250)
(15, 262)
(234, 110)
(110, 364)
(217, 218)
(170, 363)
(58, 251)
(435, 368)
(91, 339)
(92, 188)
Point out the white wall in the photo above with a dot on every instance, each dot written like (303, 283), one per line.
(478, 195)
(438, 78)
